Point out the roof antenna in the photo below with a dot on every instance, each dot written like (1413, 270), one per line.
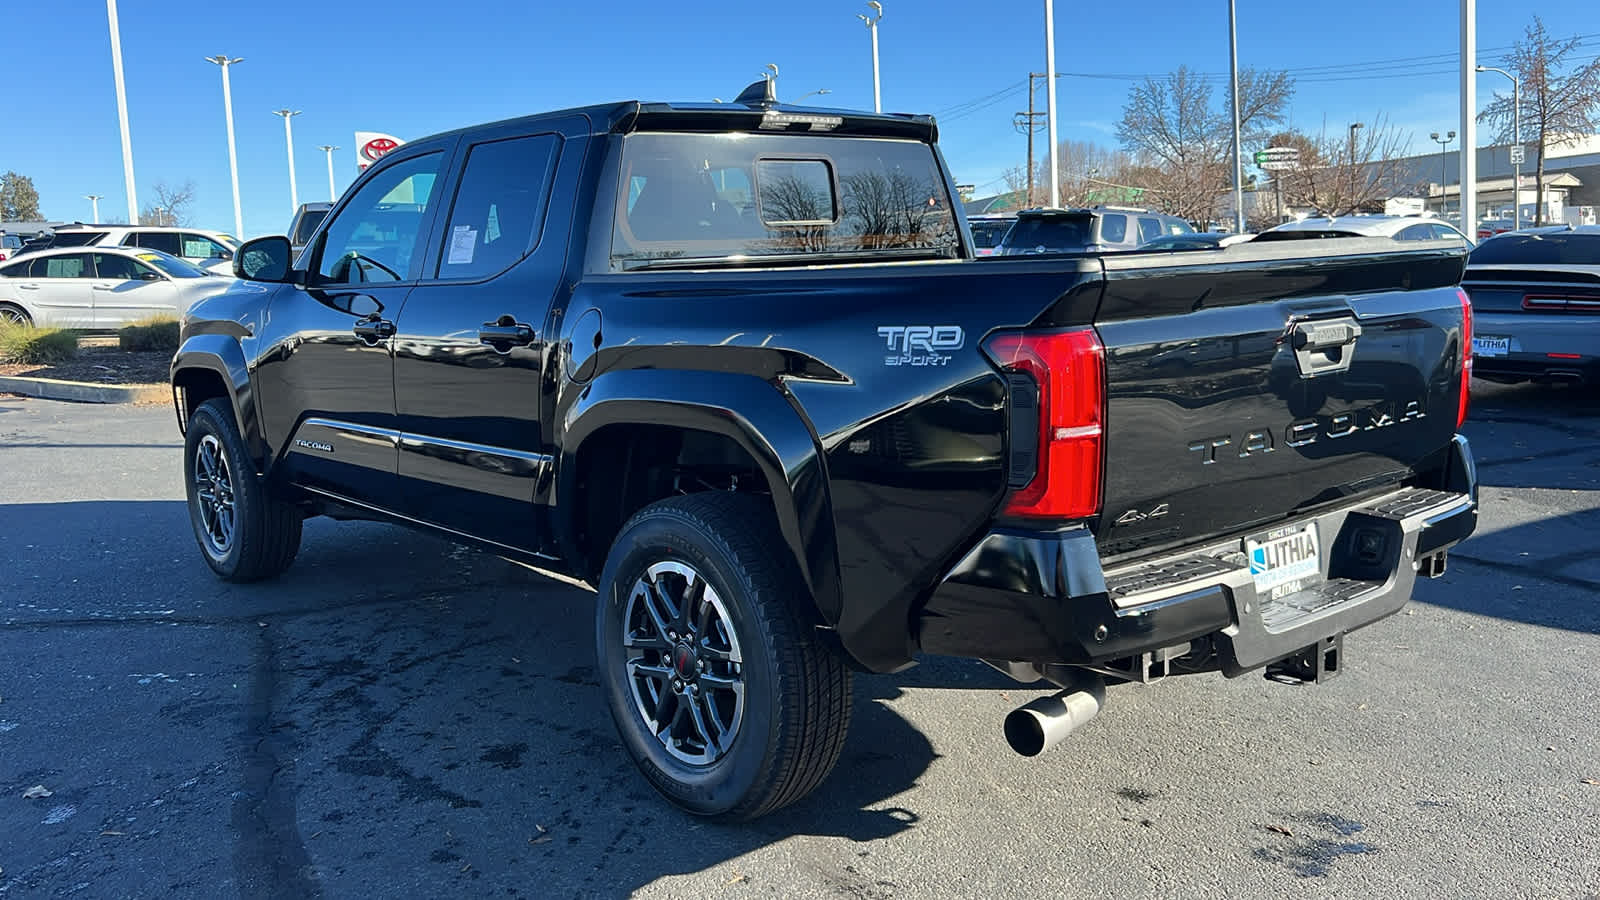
(763, 92)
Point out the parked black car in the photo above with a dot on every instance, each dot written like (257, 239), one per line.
(760, 395)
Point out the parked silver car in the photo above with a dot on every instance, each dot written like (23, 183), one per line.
(1536, 305)
(100, 287)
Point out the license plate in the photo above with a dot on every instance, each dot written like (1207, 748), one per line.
(1491, 346)
(1283, 561)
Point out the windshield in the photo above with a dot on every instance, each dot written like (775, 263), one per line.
(693, 199)
(171, 265)
(306, 226)
(1049, 234)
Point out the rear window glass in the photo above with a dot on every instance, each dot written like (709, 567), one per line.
(1560, 249)
(693, 199)
(987, 234)
(1049, 234)
(306, 226)
(76, 238)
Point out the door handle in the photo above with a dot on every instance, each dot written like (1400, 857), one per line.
(29, 287)
(1324, 347)
(374, 330)
(505, 333)
(105, 287)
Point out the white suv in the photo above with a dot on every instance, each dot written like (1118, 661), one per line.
(210, 250)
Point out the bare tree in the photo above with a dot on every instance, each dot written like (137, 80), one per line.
(1347, 170)
(171, 206)
(1560, 97)
(1183, 141)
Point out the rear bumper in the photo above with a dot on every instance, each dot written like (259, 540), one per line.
(1045, 598)
(1533, 337)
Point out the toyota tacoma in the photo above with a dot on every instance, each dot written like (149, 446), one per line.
(737, 367)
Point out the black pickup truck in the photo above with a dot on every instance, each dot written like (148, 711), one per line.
(736, 367)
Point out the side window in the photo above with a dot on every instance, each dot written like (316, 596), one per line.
(1149, 229)
(115, 267)
(72, 265)
(131, 239)
(1415, 233)
(499, 207)
(16, 270)
(1178, 226)
(375, 237)
(198, 246)
(1113, 229)
(165, 241)
(796, 192)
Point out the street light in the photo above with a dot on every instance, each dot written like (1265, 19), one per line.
(328, 149)
(1050, 100)
(223, 61)
(816, 93)
(1354, 127)
(1444, 165)
(288, 137)
(1233, 86)
(872, 26)
(1516, 143)
(95, 200)
(122, 112)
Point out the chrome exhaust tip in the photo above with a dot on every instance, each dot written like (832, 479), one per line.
(1035, 727)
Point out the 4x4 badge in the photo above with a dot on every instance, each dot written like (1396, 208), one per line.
(1134, 515)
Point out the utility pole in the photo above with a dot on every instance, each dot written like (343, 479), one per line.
(872, 26)
(122, 114)
(223, 61)
(1050, 97)
(1354, 174)
(288, 137)
(1026, 122)
(328, 149)
(94, 199)
(1469, 118)
(1233, 83)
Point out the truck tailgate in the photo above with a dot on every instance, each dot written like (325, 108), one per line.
(1265, 383)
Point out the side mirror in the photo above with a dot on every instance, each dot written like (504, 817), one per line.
(149, 276)
(225, 255)
(264, 259)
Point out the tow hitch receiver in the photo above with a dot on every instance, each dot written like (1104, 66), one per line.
(1314, 664)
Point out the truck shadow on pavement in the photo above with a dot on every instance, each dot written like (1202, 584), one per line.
(395, 703)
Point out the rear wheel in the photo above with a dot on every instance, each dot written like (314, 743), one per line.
(11, 314)
(709, 659)
(244, 532)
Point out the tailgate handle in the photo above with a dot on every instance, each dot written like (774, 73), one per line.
(1323, 348)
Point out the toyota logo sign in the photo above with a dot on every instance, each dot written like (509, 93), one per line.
(377, 147)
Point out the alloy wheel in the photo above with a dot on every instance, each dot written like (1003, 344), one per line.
(684, 666)
(213, 494)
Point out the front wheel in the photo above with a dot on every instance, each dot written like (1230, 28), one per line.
(244, 532)
(710, 663)
(11, 314)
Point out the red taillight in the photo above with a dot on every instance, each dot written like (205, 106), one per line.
(1466, 355)
(1069, 369)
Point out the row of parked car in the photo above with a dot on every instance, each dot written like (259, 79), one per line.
(106, 276)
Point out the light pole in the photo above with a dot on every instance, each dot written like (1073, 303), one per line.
(122, 113)
(95, 200)
(1469, 118)
(1516, 143)
(872, 26)
(1354, 127)
(1050, 99)
(1444, 165)
(816, 93)
(1233, 84)
(223, 61)
(328, 149)
(288, 137)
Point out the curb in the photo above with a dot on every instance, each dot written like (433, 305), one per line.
(82, 391)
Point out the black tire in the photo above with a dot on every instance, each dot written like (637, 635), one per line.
(11, 314)
(264, 534)
(790, 724)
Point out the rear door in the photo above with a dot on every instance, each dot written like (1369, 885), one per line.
(472, 347)
(1241, 394)
(57, 287)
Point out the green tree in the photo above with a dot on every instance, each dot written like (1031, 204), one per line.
(19, 200)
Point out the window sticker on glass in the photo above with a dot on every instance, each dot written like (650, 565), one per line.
(463, 243)
(491, 231)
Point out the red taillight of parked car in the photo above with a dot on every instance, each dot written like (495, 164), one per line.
(1466, 354)
(1068, 368)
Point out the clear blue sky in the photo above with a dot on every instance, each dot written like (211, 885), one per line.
(412, 68)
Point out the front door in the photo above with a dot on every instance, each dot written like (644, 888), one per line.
(324, 366)
(471, 352)
(126, 290)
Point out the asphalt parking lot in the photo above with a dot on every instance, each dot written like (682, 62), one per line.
(399, 716)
